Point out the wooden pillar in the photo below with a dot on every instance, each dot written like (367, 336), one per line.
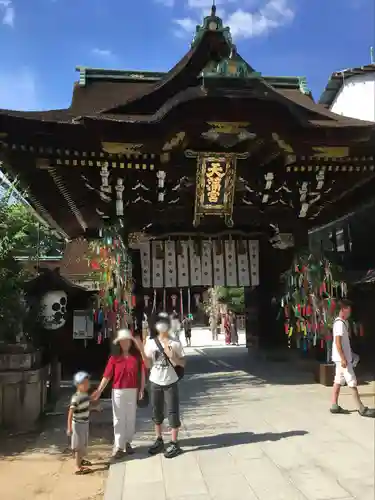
(262, 302)
(251, 316)
(270, 331)
(301, 237)
(138, 307)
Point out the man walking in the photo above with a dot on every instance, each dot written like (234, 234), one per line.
(343, 358)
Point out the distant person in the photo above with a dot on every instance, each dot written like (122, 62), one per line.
(342, 356)
(213, 326)
(175, 327)
(78, 422)
(233, 328)
(227, 329)
(187, 325)
(145, 328)
(168, 359)
(128, 374)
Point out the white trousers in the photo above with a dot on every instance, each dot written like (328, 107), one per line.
(124, 406)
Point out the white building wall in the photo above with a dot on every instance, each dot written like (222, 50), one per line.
(356, 98)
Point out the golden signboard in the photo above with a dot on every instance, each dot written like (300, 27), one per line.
(229, 127)
(120, 147)
(216, 177)
(330, 151)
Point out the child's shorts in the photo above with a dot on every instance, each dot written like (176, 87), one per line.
(80, 437)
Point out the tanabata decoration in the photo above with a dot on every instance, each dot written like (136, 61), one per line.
(111, 267)
(313, 287)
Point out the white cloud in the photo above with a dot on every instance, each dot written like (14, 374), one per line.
(18, 91)
(7, 13)
(246, 18)
(273, 14)
(186, 24)
(105, 53)
(166, 3)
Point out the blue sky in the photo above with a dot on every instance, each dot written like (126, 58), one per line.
(42, 41)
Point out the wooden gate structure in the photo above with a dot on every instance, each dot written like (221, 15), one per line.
(211, 160)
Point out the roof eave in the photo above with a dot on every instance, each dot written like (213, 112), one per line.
(337, 79)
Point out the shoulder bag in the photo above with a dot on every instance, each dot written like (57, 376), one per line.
(179, 370)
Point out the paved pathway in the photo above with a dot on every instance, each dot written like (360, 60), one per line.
(252, 432)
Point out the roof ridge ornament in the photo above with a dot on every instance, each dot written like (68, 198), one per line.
(302, 80)
(212, 23)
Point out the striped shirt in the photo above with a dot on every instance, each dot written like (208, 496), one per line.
(80, 404)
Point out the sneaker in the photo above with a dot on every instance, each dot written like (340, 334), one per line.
(129, 449)
(173, 450)
(157, 447)
(367, 412)
(336, 409)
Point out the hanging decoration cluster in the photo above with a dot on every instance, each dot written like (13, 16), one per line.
(111, 267)
(313, 287)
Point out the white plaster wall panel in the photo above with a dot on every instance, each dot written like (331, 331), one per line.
(195, 266)
(206, 263)
(356, 98)
(183, 264)
(243, 263)
(218, 263)
(170, 275)
(254, 261)
(157, 265)
(230, 263)
(146, 264)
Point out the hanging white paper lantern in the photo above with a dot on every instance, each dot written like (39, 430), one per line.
(53, 309)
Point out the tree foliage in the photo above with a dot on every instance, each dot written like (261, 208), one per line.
(233, 297)
(21, 234)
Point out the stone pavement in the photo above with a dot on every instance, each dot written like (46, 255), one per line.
(252, 431)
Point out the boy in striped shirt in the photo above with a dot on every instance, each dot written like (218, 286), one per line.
(78, 422)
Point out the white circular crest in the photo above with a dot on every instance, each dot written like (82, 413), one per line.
(53, 309)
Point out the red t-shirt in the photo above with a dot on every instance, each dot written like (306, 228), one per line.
(123, 371)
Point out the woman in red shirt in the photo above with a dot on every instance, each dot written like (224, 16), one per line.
(124, 370)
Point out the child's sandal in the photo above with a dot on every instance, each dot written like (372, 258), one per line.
(83, 471)
(86, 463)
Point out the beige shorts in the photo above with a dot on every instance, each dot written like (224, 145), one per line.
(80, 437)
(345, 375)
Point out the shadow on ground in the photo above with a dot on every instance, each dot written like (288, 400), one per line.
(205, 383)
(50, 436)
(278, 368)
(226, 440)
(220, 441)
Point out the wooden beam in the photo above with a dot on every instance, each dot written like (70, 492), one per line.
(67, 197)
(345, 201)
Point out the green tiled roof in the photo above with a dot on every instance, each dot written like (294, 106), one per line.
(95, 74)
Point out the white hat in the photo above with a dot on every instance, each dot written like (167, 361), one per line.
(123, 334)
(80, 377)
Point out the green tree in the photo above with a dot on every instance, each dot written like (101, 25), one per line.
(21, 234)
(233, 297)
